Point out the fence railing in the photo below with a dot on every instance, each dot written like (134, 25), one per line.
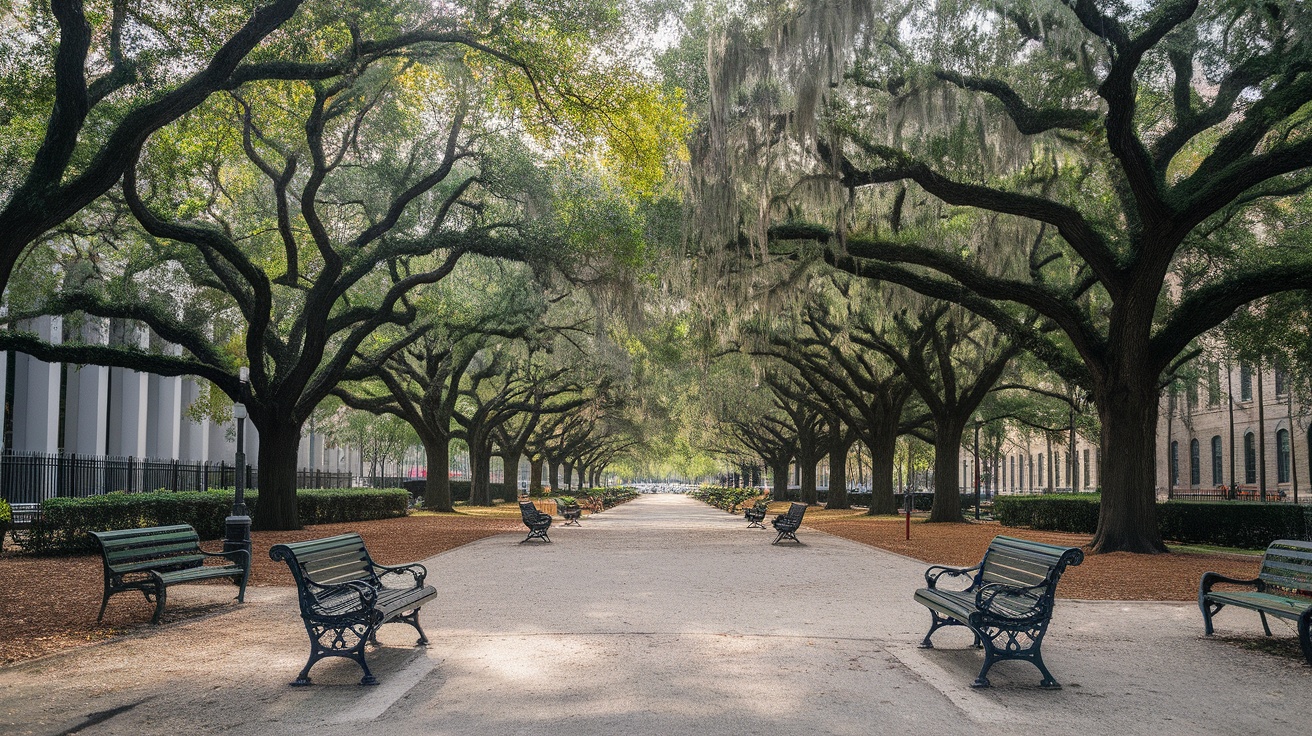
(32, 477)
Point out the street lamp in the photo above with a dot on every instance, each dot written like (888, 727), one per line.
(238, 524)
(978, 422)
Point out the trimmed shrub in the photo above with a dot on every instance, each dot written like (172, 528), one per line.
(6, 515)
(1053, 512)
(728, 499)
(64, 522)
(1231, 524)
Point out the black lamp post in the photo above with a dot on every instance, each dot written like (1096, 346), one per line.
(238, 524)
(978, 422)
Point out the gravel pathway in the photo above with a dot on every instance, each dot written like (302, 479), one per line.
(665, 616)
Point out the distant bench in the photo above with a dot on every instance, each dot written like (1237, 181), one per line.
(1008, 603)
(345, 597)
(1281, 589)
(149, 560)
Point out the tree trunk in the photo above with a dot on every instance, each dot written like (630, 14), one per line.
(480, 467)
(437, 487)
(806, 469)
(553, 469)
(882, 443)
(510, 475)
(535, 475)
(947, 471)
(838, 477)
(1127, 519)
(780, 473)
(569, 476)
(276, 509)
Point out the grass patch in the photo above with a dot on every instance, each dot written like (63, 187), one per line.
(1212, 549)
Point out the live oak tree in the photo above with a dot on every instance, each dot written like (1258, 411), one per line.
(1144, 147)
(483, 301)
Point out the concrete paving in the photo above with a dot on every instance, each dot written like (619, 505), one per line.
(665, 616)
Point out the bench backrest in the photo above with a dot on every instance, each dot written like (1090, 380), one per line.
(129, 549)
(529, 512)
(327, 561)
(1288, 564)
(796, 511)
(1026, 564)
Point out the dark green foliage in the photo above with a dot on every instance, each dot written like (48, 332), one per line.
(613, 496)
(1231, 524)
(460, 491)
(65, 522)
(1052, 512)
(1226, 524)
(728, 499)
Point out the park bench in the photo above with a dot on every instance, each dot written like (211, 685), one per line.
(150, 560)
(571, 513)
(1008, 604)
(345, 597)
(1282, 589)
(755, 515)
(537, 522)
(787, 524)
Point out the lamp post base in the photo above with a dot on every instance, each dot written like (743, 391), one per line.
(238, 533)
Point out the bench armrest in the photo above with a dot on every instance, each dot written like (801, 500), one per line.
(313, 592)
(937, 571)
(415, 569)
(240, 556)
(1212, 578)
(987, 594)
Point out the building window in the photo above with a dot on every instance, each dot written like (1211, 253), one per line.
(1213, 384)
(1250, 458)
(1191, 395)
(1013, 471)
(1056, 468)
(1195, 471)
(1175, 464)
(1086, 467)
(1043, 479)
(1282, 383)
(1245, 382)
(1216, 460)
(1282, 456)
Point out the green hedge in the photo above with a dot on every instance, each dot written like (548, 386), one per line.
(1231, 524)
(728, 499)
(460, 491)
(1227, 524)
(1054, 512)
(65, 522)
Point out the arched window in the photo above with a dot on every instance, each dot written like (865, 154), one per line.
(1250, 458)
(1013, 471)
(1245, 383)
(1043, 479)
(1195, 471)
(1175, 463)
(1216, 460)
(1282, 456)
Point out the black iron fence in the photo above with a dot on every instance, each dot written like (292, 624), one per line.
(31, 477)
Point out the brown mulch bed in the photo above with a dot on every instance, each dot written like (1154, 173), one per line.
(50, 603)
(1119, 576)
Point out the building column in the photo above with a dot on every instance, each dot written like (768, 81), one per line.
(128, 394)
(194, 440)
(86, 398)
(164, 427)
(36, 393)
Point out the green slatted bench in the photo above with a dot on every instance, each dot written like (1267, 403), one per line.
(345, 597)
(1008, 604)
(1282, 588)
(149, 560)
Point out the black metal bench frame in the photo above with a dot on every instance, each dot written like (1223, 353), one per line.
(1287, 565)
(754, 516)
(787, 524)
(537, 522)
(571, 514)
(345, 598)
(1008, 604)
(151, 559)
